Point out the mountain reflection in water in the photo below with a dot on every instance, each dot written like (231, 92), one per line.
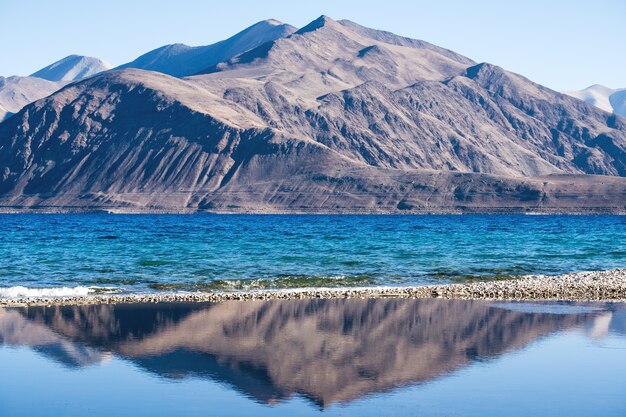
(325, 350)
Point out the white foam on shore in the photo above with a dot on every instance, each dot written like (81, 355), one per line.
(24, 292)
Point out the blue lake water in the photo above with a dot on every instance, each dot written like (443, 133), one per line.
(144, 253)
(382, 357)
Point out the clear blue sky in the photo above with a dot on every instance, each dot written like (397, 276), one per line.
(561, 44)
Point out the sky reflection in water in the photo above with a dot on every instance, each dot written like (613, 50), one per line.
(305, 357)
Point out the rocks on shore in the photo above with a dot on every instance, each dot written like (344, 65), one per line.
(580, 286)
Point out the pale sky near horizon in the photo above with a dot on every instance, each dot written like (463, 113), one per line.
(565, 45)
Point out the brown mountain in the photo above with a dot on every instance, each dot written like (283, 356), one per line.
(334, 117)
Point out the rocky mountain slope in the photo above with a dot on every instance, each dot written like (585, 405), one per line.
(607, 99)
(181, 60)
(72, 68)
(335, 117)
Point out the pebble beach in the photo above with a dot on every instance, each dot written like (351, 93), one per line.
(579, 286)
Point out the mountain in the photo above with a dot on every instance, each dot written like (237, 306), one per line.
(597, 95)
(72, 68)
(607, 99)
(334, 117)
(177, 59)
(16, 92)
(181, 60)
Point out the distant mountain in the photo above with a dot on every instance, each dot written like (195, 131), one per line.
(334, 117)
(181, 60)
(72, 68)
(16, 92)
(607, 99)
(618, 101)
(177, 59)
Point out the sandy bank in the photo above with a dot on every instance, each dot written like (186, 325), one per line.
(580, 286)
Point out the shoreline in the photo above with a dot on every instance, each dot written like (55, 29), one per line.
(425, 211)
(578, 286)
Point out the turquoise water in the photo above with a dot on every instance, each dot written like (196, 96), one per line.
(144, 253)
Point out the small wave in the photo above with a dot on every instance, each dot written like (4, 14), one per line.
(80, 291)
(153, 262)
(280, 282)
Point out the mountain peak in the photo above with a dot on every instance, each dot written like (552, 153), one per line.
(72, 68)
(263, 27)
(481, 70)
(271, 22)
(600, 88)
(180, 60)
(320, 22)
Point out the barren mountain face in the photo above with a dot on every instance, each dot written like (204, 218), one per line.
(334, 117)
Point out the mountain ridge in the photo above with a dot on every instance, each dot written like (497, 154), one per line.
(182, 60)
(20, 91)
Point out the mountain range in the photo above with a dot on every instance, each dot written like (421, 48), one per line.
(176, 60)
(333, 117)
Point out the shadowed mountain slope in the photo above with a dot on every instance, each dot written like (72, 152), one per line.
(334, 117)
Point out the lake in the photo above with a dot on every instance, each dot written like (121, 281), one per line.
(80, 254)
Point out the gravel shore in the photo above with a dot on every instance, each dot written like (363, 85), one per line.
(580, 286)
